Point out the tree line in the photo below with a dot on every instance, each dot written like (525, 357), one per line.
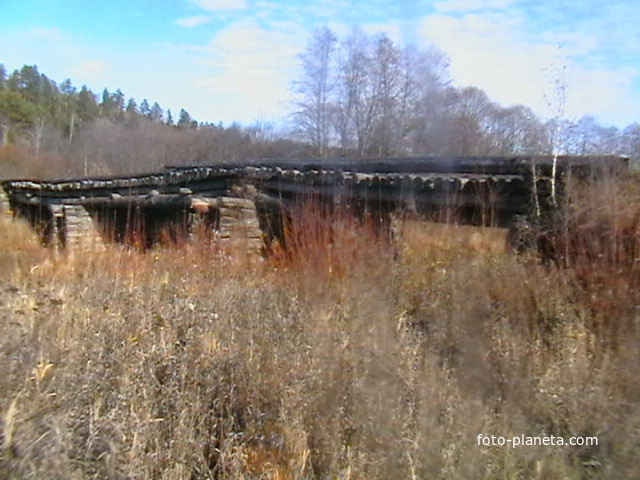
(31, 102)
(366, 96)
(50, 129)
(361, 96)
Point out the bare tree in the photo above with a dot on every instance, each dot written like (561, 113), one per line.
(631, 142)
(367, 95)
(560, 126)
(515, 131)
(315, 89)
(37, 132)
(471, 108)
(424, 81)
(427, 99)
(387, 78)
(358, 102)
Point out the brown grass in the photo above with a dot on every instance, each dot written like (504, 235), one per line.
(353, 359)
(18, 161)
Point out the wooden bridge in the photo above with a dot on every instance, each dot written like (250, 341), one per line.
(250, 200)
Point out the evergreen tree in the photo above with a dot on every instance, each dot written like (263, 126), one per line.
(185, 121)
(145, 111)
(67, 88)
(118, 100)
(16, 114)
(132, 107)
(35, 87)
(156, 114)
(106, 105)
(69, 115)
(87, 105)
(24, 79)
(112, 105)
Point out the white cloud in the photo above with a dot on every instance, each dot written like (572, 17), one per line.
(219, 5)
(495, 53)
(49, 34)
(193, 21)
(251, 69)
(54, 39)
(471, 5)
(327, 8)
(606, 94)
(393, 30)
(90, 69)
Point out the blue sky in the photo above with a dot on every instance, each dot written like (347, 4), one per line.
(234, 60)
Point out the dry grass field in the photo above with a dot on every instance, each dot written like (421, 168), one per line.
(350, 360)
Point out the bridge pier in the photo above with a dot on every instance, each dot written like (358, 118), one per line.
(238, 227)
(5, 207)
(77, 230)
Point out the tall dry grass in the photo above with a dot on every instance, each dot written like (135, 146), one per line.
(352, 359)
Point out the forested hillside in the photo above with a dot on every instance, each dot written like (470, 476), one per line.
(57, 129)
(360, 96)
